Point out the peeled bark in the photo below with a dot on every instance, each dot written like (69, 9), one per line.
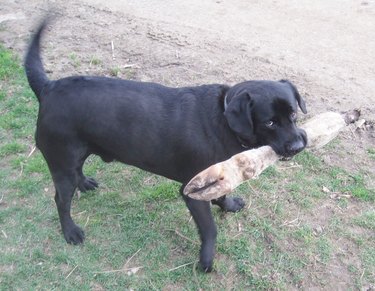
(222, 178)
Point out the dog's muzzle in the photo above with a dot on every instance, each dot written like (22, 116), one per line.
(297, 145)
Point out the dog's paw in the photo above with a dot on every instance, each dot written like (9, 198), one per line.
(87, 184)
(229, 204)
(236, 205)
(206, 257)
(74, 235)
(206, 266)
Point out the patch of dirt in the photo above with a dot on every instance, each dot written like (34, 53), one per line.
(326, 48)
(335, 273)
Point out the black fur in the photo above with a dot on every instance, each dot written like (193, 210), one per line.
(173, 132)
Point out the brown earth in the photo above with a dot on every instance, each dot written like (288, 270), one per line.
(326, 48)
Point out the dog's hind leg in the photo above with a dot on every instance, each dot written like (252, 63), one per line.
(66, 184)
(65, 164)
(86, 183)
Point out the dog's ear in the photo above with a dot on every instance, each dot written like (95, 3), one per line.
(301, 102)
(238, 115)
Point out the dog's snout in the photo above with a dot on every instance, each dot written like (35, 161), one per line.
(295, 147)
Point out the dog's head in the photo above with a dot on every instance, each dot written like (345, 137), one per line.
(265, 113)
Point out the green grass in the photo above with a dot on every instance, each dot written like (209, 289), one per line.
(115, 72)
(74, 60)
(11, 148)
(291, 236)
(371, 153)
(95, 61)
(366, 219)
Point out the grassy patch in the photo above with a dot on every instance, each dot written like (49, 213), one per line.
(115, 72)
(10, 68)
(164, 190)
(366, 220)
(11, 148)
(371, 153)
(139, 232)
(95, 61)
(74, 60)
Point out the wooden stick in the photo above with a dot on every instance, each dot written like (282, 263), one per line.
(222, 178)
(181, 266)
(113, 50)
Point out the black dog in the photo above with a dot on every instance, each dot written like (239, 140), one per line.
(173, 132)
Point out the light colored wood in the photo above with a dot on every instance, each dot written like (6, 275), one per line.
(323, 128)
(222, 178)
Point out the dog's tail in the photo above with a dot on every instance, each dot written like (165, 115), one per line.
(33, 63)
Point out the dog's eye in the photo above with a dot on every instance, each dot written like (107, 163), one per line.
(293, 116)
(269, 124)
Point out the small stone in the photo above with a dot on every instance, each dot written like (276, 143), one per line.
(318, 230)
(325, 189)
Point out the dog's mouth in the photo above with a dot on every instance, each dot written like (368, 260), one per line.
(290, 149)
(286, 156)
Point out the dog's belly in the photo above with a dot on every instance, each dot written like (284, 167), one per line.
(173, 160)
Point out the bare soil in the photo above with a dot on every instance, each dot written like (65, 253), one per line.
(326, 48)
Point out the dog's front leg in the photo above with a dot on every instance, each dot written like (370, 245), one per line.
(65, 185)
(201, 212)
(229, 204)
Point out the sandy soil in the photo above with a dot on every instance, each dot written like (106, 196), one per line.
(326, 48)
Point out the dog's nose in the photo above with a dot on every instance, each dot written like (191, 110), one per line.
(295, 147)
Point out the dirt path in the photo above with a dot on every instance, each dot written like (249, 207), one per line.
(331, 42)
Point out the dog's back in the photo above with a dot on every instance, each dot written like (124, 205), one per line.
(167, 131)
